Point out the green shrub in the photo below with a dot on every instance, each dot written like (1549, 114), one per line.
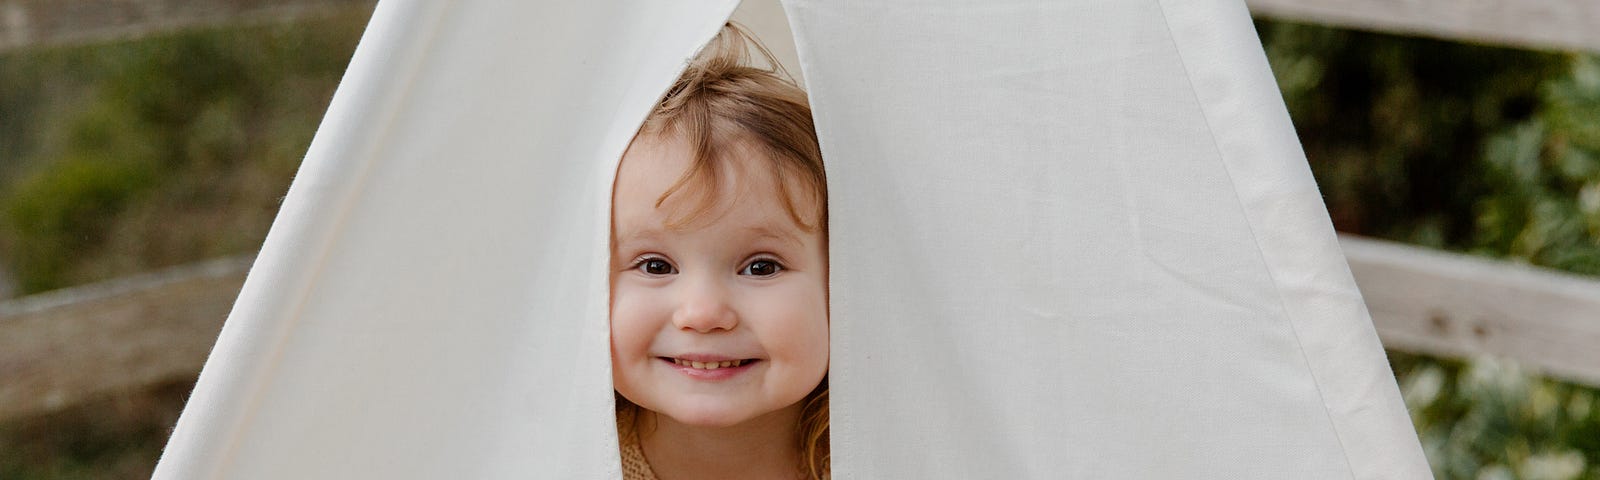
(1490, 151)
(160, 151)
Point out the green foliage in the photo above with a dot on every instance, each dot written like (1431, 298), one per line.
(160, 151)
(1545, 177)
(1487, 418)
(119, 158)
(1490, 151)
(1394, 126)
(63, 210)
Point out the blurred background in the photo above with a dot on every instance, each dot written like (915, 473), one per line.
(145, 146)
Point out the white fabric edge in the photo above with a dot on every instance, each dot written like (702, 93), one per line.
(395, 41)
(1295, 236)
(628, 128)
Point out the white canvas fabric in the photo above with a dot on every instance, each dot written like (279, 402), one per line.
(431, 301)
(1069, 239)
(1078, 239)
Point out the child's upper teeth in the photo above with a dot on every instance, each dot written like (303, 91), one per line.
(708, 365)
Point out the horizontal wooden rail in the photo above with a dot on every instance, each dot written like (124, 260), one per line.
(61, 348)
(1539, 24)
(1453, 305)
(25, 23)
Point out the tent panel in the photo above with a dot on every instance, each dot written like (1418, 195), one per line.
(431, 302)
(1041, 267)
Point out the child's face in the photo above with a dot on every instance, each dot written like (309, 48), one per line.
(742, 283)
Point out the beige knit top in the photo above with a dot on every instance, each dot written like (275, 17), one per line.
(634, 465)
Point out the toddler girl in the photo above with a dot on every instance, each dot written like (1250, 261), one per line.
(719, 299)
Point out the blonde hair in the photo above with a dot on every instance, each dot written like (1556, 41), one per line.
(720, 100)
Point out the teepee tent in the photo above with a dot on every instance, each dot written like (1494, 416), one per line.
(1069, 239)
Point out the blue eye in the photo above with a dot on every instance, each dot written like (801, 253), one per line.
(761, 268)
(655, 266)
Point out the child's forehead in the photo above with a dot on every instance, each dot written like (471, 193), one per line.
(662, 185)
(743, 204)
(656, 164)
(743, 213)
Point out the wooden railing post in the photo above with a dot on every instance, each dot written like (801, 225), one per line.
(1452, 305)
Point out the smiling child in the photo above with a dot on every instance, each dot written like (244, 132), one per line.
(719, 299)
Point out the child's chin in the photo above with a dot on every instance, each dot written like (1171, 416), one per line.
(709, 417)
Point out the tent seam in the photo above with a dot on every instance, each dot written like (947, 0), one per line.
(1322, 397)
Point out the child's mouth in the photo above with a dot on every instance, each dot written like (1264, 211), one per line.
(711, 365)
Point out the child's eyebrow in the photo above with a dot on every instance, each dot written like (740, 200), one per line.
(762, 231)
(623, 237)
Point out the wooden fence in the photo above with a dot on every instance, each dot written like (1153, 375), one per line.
(1451, 305)
(60, 348)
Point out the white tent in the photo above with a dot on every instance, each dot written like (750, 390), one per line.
(1070, 239)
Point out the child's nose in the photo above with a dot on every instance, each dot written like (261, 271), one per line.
(705, 309)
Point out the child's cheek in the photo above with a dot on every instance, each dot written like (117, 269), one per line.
(630, 331)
